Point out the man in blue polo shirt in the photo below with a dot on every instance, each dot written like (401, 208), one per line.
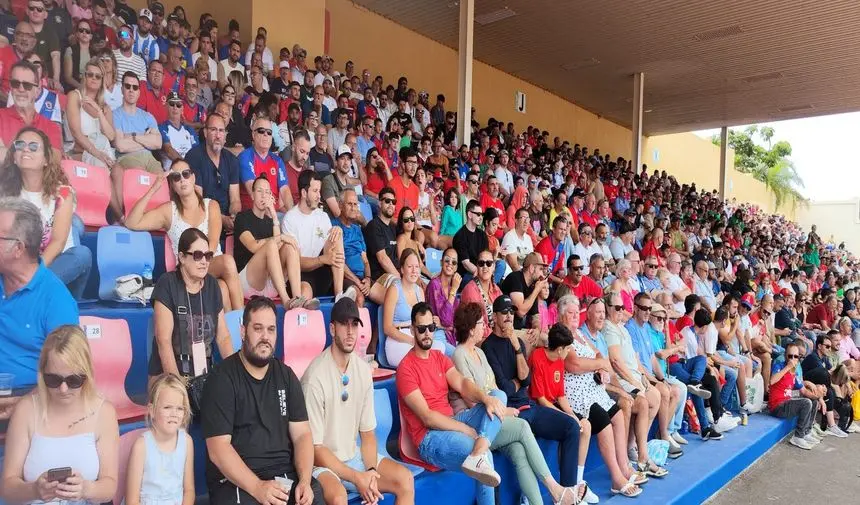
(33, 301)
(216, 170)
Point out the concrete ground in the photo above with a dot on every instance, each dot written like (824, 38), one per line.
(829, 473)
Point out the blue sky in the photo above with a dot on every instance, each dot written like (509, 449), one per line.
(825, 152)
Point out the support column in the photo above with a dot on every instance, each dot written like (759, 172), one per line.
(464, 83)
(636, 125)
(724, 146)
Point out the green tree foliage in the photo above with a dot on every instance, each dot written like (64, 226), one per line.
(766, 161)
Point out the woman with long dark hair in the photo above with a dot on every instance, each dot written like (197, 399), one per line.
(187, 209)
(32, 171)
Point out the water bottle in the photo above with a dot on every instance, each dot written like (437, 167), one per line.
(147, 275)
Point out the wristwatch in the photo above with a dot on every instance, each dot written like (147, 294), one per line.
(519, 351)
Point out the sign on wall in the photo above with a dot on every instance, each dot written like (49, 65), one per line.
(520, 103)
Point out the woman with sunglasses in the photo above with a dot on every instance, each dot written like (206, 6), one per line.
(515, 439)
(65, 423)
(89, 120)
(188, 313)
(400, 297)
(409, 237)
(442, 293)
(32, 171)
(482, 290)
(378, 176)
(187, 209)
(77, 55)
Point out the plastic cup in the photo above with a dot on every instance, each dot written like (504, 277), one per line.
(6, 380)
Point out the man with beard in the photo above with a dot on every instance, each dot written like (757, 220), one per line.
(453, 442)
(320, 243)
(380, 235)
(338, 388)
(256, 424)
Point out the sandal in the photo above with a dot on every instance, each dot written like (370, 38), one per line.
(310, 303)
(652, 469)
(573, 499)
(638, 478)
(296, 303)
(629, 490)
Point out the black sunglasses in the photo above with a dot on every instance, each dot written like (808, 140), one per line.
(424, 328)
(74, 381)
(177, 105)
(506, 311)
(133, 87)
(264, 131)
(792, 356)
(480, 214)
(644, 309)
(176, 176)
(576, 268)
(16, 84)
(408, 219)
(618, 308)
(390, 201)
(484, 263)
(199, 255)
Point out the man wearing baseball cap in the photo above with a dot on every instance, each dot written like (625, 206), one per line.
(177, 138)
(524, 286)
(145, 44)
(338, 388)
(336, 182)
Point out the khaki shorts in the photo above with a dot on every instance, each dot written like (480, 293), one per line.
(141, 159)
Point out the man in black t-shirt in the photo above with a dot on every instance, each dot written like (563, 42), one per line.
(469, 241)
(524, 286)
(255, 422)
(380, 235)
(47, 43)
(263, 254)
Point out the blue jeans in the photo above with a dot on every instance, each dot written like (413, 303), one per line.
(73, 265)
(729, 387)
(691, 371)
(678, 416)
(448, 449)
(553, 424)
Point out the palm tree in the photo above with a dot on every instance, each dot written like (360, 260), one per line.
(783, 181)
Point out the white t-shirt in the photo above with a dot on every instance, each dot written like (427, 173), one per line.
(113, 97)
(691, 342)
(711, 337)
(676, 284)
(268, 61)
(310, 230)
(213, 66)
(506, 179)
(585, 253)
(320, 78)
(514, 244)
(618, 249)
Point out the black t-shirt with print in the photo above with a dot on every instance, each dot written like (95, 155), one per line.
(255, 413)
(193, 314)
(260, 228)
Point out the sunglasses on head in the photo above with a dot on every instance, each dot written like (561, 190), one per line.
(176, 176)
(129, 86)
(424, 328)
(21, 145)
(74, 381)
(199, 255)
(484, 263)
(16, 84)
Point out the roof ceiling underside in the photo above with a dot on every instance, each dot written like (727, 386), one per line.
(706, 63)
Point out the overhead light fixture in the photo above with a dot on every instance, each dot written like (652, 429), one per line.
(769, 76)
(719, 33)
(492, 17)
(578, 65)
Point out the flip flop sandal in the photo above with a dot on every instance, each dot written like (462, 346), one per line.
(629, 490)
(576, 498)
(638, 478)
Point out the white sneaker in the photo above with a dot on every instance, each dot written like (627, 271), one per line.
(818, 432)
(590, 497)
(810, 438)
(672, 443)
(799, 442)
(836, 432)
(748, 407)
(681, 440)
(349, 292)
(854, 427)
(698, 390)
(480, 469)
(726, 423)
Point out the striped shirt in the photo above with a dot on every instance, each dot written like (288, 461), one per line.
(133, 63)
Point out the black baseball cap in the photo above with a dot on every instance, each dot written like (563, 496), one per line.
(345, 311)
(503, 303)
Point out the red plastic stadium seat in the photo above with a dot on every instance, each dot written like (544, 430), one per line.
(408, 451)
(135, 183)
(364, 335)
(126, 442)
(92, 188)
(304, 338)
(110, 345)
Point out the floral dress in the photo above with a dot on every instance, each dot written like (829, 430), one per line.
(581, 390)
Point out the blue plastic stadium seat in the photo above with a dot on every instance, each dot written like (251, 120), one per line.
(234, 321)
(121, 252)
(380, 343)
(433, 259)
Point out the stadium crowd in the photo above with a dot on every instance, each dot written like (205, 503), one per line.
(573, 297)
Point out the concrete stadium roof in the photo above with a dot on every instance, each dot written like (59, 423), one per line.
(707, 63)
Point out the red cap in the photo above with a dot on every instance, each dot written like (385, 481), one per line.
(748, 299)
(437, 174)
(786, 292)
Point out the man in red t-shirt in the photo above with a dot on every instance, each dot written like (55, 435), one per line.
(785, 399)
(405, 189)
(823, 314)
(490, 198)
(153, 96)
(582, 286)
(458, 442)
(552, 249)
(23, 111)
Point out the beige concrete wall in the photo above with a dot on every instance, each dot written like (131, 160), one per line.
(839, 220)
